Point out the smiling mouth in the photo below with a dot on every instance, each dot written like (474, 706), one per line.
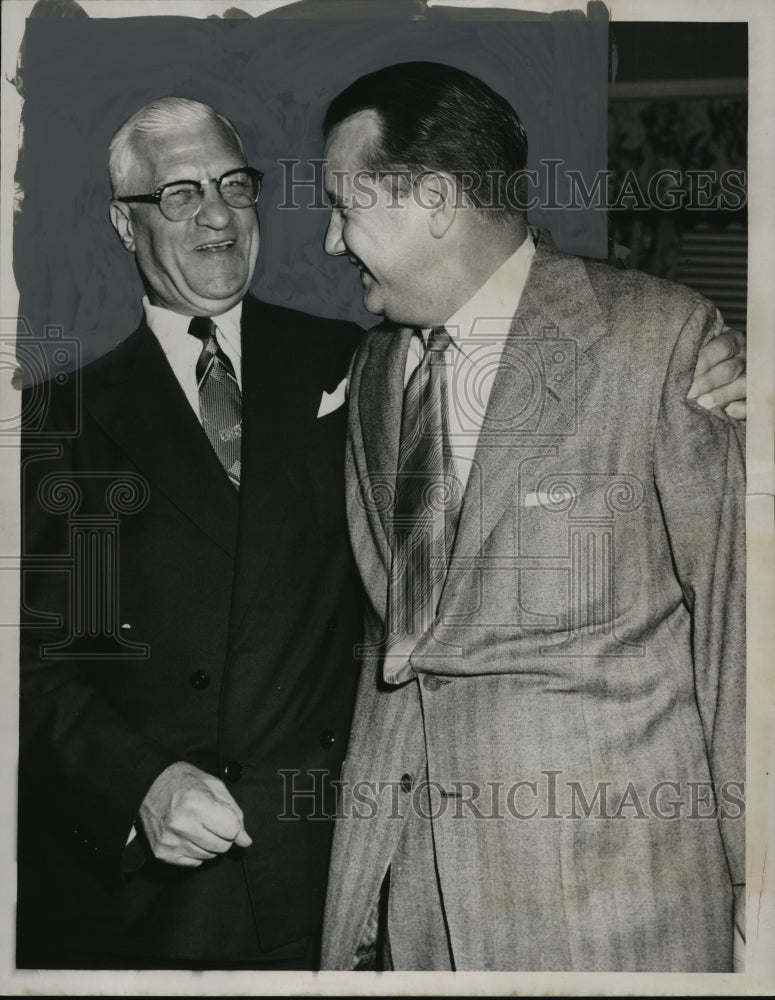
(362, 269)
(216, 247)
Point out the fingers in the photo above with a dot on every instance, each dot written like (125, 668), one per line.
(737, 410)
(210, 842)
(200, 828)
(227, 827)
(189, 817)
(242, 839)
(182, 852)
(727, 345)
(224, 821)
(731, 392)
(724, 383)
(222, 824)
(188, 836)
(220, 793)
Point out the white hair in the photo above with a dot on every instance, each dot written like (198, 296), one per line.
(162, 115)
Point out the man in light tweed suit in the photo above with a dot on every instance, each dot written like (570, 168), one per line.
(546, 767)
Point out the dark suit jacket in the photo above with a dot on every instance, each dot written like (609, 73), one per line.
(589, 641)
(224, 639)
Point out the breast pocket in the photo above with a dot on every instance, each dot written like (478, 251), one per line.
(583, 533)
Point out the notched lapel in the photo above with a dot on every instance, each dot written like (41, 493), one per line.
(139, 403)
(548, 370)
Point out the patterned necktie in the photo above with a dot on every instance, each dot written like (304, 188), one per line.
(220, 401)
(427, 499)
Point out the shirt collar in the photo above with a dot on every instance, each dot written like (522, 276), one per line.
(498, 298)
(167, 324)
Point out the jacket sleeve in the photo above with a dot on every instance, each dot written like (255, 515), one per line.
(700, 477)
(82, 771)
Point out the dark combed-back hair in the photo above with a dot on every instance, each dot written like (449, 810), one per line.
(437, 117)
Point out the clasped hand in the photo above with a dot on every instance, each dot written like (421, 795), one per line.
(189, 816)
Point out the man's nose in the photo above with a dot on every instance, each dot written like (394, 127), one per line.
(213, 212)
(334, 244)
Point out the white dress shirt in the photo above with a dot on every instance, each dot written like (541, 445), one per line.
(478, 331)
(182, 350)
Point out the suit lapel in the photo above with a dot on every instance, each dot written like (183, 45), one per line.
(557, 304)
(380, 404)
(278, 406)
(134, 395)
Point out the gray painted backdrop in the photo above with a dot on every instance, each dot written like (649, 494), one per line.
(273, 76)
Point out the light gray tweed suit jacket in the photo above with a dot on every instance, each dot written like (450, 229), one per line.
(579, 704)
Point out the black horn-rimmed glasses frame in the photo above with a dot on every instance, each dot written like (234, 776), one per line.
(179, 201)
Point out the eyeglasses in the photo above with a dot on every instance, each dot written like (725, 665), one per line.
(181, 200)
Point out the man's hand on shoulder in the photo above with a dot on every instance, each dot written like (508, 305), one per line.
(719, 378)
(189, 816)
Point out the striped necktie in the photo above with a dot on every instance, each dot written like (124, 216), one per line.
(220, 400)
(427, 500)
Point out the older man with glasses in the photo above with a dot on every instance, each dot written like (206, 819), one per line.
(154, 749)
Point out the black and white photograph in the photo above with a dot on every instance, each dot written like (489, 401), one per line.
(387, 424)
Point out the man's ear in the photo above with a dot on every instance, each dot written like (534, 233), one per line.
(121, 218)
(437, 193)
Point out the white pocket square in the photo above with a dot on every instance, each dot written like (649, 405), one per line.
(331, 401)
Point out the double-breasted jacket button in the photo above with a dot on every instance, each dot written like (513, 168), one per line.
(327, 738)
(199, 680)
(233, 771)
(406, 782)
(330, 627)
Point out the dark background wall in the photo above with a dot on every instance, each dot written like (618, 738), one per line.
(680, 50)
(273, 76)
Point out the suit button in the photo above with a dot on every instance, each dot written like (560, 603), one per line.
(431, 682)
(406, 783)
(330, 626)
(233, 771)
(327, 738)
(199, 679)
